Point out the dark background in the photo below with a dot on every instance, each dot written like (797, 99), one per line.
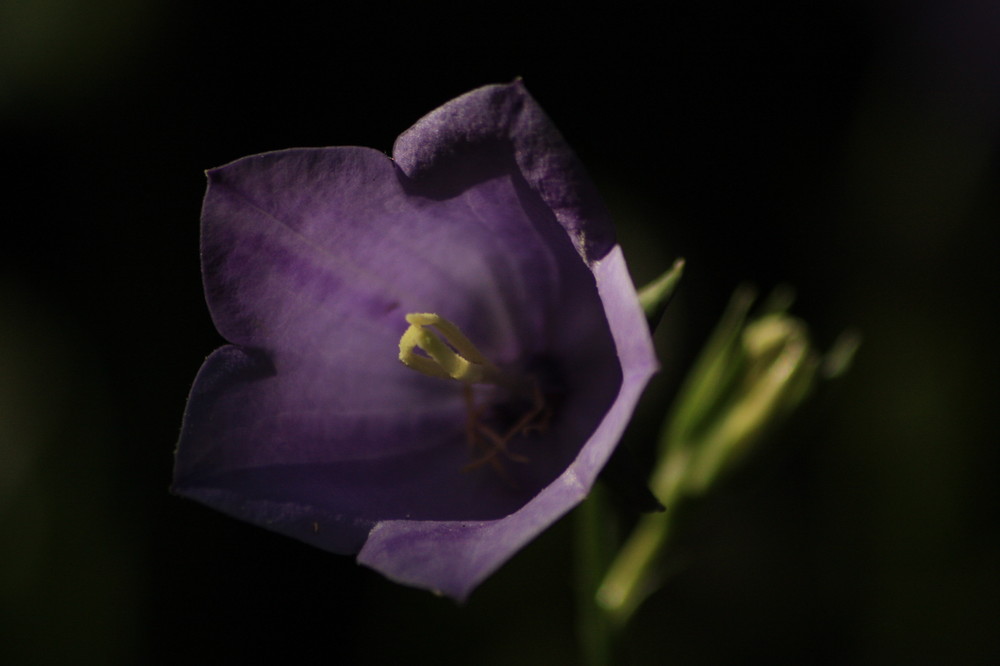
(848, 149)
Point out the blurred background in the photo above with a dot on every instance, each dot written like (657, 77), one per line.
(848, 149)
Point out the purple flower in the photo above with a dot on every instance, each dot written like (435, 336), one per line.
(317, 262)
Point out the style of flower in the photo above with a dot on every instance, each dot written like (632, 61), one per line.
(481, 257)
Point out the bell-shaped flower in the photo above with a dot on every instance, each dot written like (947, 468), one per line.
(432, 356)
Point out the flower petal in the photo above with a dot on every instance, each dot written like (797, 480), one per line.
(303, 243)
(480, 131)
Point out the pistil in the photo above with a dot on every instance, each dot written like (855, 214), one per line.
(459, 359)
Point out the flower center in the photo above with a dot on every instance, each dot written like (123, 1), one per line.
(489, 429)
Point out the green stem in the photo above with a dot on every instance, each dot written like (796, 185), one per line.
(595, 631)
(629, 578)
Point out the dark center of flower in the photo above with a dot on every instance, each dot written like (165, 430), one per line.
(490, 438)
(436, 347)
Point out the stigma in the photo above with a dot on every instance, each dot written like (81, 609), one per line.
(446, 352)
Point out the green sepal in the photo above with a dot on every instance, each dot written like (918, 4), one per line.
(655, 296)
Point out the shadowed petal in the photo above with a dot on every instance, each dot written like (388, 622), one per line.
(481, 129)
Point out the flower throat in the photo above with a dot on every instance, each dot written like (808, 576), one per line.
(448, 354)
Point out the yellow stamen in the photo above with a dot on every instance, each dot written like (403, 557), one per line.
(458, 359)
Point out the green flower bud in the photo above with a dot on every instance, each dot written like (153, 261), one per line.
(751, 374)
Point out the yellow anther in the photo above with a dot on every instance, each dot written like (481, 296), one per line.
(458, 359)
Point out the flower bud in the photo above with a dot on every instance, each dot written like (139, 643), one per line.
(750, 375)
